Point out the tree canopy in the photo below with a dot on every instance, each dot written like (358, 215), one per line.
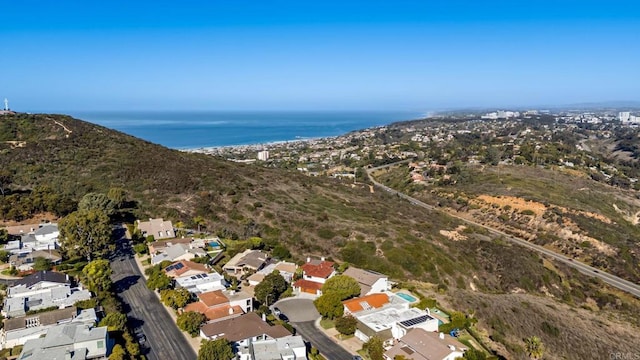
(42, 264)
(175, 299)
(97, 201)
(219, 349)
(374, 348)
(270, 288)
(114, 321)
(190, 322)
(87, 233)
(346, 325)
(343, 286)
(329, 305)
(98, 275)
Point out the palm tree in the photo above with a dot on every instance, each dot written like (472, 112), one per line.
(199, 221)
(534, 347)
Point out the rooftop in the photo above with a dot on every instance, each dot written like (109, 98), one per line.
(365, 278)
(180, 267)
(243, 327)
(318, 268)
(386, 317)
(419, 344)
(50, 276)
(373, 301)
(249, 258)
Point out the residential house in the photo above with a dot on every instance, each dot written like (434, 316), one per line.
(41, 237)
(178, 252)
(249, 260)
(392, 322)
(42, 290)
(368, 302)
(370, 281)
(197, 284)
(286, 269)
(159, 228)
(69, 341)
(284, 348)
(159, 246)
(185, 268)
(219, 305)
(242, 331)
(419, 344)
(314, 274)
(25, 261)
(16, 331)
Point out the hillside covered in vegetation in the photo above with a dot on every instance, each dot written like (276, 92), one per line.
(49, 162)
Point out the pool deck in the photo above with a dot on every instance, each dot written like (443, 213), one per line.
(407, 292)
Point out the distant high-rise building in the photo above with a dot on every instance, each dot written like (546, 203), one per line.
(624, 116)
(263, 155)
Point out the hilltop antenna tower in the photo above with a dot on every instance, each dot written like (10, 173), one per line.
(6, 104)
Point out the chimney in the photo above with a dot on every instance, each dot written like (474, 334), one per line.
(264, 317)
(322, 258)
(308, 259)
(230, 311)
(441, 336)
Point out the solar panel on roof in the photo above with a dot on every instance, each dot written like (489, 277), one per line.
(179, 266)
(415, 321)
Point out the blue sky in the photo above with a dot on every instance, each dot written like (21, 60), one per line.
(320, 55)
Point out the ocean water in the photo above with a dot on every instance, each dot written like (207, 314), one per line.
(191, 130)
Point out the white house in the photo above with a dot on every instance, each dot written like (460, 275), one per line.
(69, 341)
(201, 283)
(42, 290)
(392, 322)
(284, 348)
(17, 331)
(370, 282)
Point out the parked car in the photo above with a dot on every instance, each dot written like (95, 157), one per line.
(276, 311)
(283, 317)
(356, 357)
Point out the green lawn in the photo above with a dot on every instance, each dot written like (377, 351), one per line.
(327, 324)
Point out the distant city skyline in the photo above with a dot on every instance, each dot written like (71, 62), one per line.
(287, 55)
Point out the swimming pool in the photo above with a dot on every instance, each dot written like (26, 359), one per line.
(407, 297)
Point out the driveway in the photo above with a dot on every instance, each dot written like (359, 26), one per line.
(303, 314)
(163, 338)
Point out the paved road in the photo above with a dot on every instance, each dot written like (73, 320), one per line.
(163, 339)
(612, 280)
(320, 341)
(302, 315)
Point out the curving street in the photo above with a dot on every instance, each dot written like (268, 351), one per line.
(302, 315)
(612, 280)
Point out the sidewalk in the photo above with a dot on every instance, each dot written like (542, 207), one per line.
(193, 342)
(352, 344)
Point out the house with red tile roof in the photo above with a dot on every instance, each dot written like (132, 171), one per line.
(314, 274)
(368, 302)
(185, 268)
(219, 305)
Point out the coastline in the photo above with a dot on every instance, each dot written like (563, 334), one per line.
(212, 131)
(258, 146)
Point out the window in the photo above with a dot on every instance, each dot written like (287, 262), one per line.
(168, 234)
